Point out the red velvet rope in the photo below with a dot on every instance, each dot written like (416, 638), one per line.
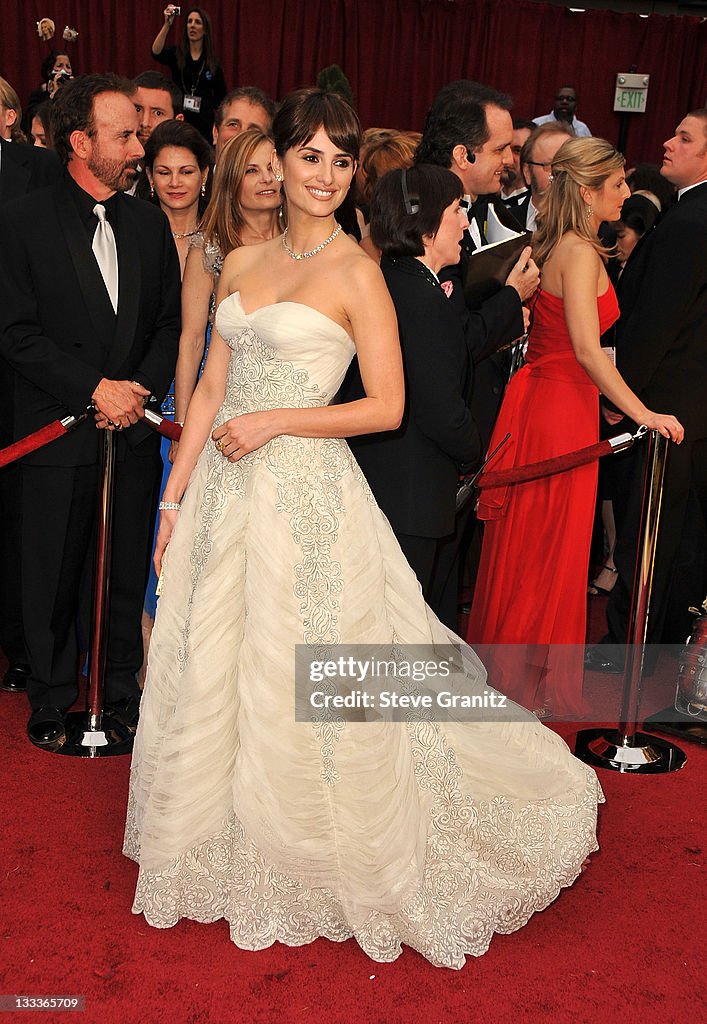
(30, 443)
(56, 428)
(167, 428)
(536, 470)
(173, 431)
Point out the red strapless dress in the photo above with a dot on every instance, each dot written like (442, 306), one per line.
(532, 582)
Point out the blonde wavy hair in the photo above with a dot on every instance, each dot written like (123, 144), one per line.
(11, 101)
(578, 164)
(223, 220)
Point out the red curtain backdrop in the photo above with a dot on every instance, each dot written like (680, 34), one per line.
(397, 53)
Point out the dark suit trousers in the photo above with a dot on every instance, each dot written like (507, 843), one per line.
(680, 564)
(58, 536)
(435, 562)
(420, 553)
(11, 639)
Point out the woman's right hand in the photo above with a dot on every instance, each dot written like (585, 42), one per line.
(666, 425)
(168, 519)
(170, 13)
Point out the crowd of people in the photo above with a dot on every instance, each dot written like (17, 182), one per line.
(277, 280)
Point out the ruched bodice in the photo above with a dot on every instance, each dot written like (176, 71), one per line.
(285, 355)
(549, 345)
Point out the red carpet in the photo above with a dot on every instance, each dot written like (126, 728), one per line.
(626, 942)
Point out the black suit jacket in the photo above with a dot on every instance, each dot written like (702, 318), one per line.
(495, 324)
(662, 343)
(499, 320)
(25, 168)
(413, 470)
(59, 334)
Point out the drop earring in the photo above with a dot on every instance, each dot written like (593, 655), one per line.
(152, 191)
(203, 189)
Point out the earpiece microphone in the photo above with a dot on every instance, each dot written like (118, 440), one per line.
(471, 157)
(412, 203)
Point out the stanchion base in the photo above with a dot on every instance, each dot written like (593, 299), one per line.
(649, 755)
(687, 728)
(111, 740)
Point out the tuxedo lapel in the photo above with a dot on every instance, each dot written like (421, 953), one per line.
(89, 276)
(129, 279)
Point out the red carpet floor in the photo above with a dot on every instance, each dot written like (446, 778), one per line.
(625, 943)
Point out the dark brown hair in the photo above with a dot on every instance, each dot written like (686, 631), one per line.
(207, 52)
(429, 189)
(305, 111)
(72, 108)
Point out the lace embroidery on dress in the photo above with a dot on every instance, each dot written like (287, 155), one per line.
(489, 865)
(479, 863)
(258, 379)
(313, 502)
(212, 261)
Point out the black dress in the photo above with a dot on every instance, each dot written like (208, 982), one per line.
(413, 471)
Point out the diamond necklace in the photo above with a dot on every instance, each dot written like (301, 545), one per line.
(309, 252)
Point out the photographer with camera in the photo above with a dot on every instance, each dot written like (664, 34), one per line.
(56, 70)
(194, 66)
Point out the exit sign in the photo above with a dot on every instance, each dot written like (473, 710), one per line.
(631, 94)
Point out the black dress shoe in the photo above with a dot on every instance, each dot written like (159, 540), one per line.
(126, 711)
(598, 659)
(15, 679)
(46, 728)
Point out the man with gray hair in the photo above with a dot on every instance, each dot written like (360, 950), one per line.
(536, 158)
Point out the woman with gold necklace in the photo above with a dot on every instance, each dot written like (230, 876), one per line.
(175, 175)
(244, 210)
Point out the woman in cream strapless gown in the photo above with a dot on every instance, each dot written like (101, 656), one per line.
(428, 834)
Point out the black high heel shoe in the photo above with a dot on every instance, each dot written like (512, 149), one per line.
(594, 589)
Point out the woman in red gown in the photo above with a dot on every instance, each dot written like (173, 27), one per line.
(530, 597)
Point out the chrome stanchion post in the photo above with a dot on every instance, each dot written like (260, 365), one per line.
(625, 749)
(92, 733)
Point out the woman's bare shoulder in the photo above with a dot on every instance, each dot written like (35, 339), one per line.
(572, 253)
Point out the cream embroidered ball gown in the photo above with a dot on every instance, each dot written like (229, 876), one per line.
(431, 835)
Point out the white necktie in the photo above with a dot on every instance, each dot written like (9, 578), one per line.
(106, 254)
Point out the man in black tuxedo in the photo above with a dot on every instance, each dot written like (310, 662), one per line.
(469, 131)
(89, 314)
(514, 190)
(662, 355)
(23, 169)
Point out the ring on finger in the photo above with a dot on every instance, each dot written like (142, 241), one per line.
(219, 444)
